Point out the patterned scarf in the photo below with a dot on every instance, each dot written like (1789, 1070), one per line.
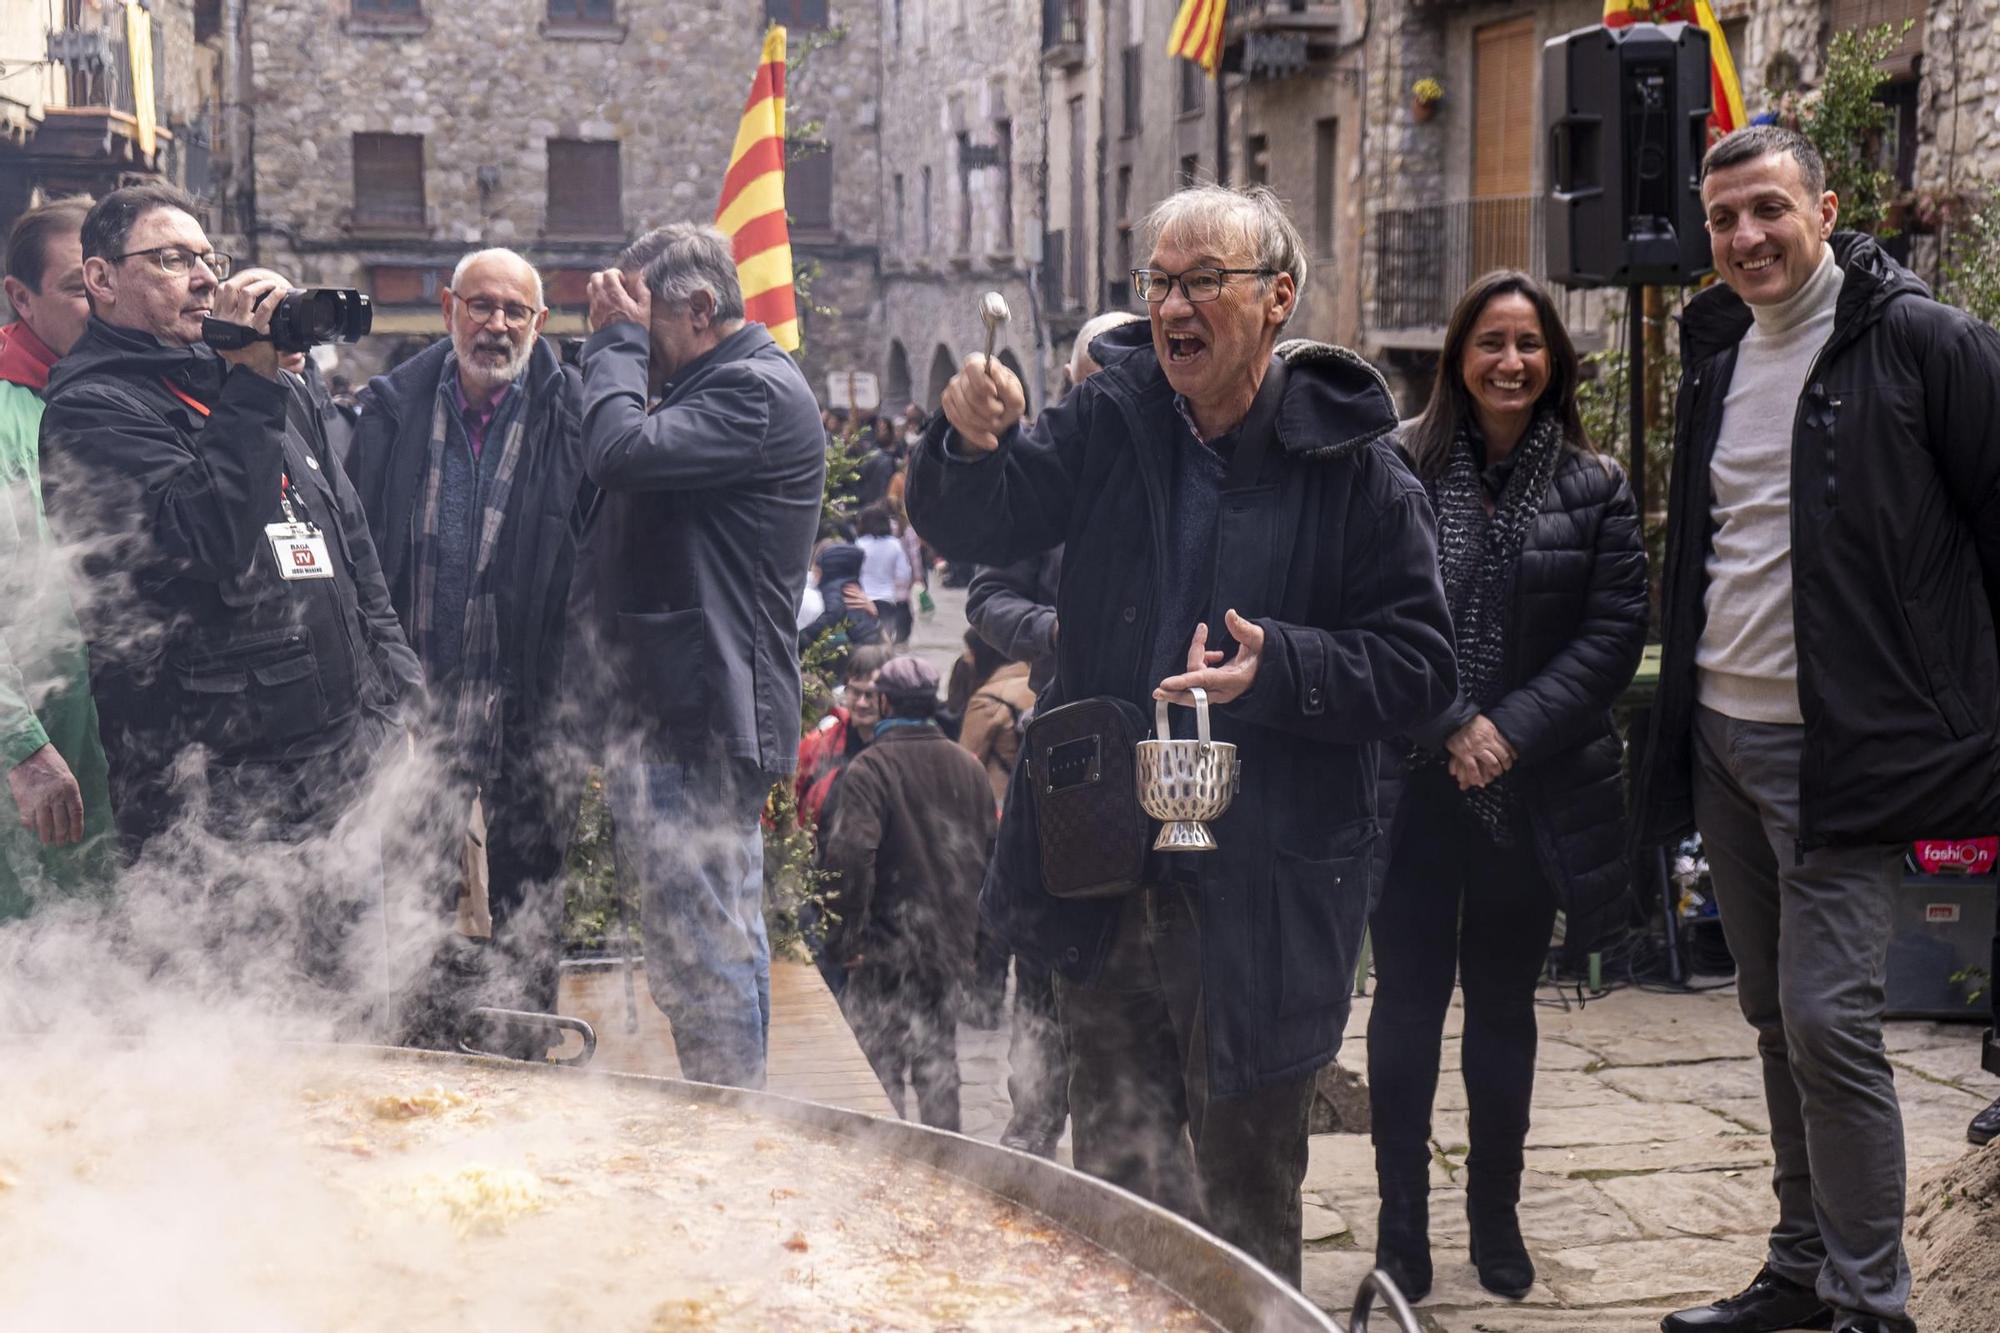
(1477, 556)
(472, 714)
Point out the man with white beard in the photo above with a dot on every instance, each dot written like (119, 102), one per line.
(469, 465)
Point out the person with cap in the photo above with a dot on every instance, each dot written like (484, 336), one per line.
(906, 842)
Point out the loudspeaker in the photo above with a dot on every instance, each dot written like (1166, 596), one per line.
(1627, 110)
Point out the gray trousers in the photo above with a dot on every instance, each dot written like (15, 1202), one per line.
(1811, 938)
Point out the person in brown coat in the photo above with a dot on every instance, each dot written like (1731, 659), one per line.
(907, 842)
(991, 731)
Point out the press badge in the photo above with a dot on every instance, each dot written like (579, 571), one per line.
(301, 551)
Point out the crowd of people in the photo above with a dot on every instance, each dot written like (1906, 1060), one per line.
(1414, 632)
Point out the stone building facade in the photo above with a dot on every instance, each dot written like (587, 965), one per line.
(393, 136)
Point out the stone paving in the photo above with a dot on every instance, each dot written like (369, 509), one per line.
(1648, 1184)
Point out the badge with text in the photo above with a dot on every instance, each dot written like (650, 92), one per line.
(301, 551)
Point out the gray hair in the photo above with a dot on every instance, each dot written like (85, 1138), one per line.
(1094, 328)
(683, 258)
(458, 273)
(1755, 141)
(1221, 219)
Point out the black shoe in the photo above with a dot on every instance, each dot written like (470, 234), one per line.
(1869, 1323)
(1491, 1204)
(1770, 1304)
(1402, 1230)
(1985, 1126)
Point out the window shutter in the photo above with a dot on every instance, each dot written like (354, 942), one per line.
(1860, 15)
(389, 180)
(809, 188)
(585, 196)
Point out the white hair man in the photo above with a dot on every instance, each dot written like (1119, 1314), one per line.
(706, 440)
(468, 458)
(1201, 480)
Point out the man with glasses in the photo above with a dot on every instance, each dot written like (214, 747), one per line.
(469, 463)
(245, 660)
(1201, 481)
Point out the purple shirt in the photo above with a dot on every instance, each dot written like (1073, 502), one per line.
(476, 419)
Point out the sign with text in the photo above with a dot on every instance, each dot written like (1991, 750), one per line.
(852, 391)
(1956, 856)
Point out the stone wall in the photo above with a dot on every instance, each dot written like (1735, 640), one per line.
(487, 84)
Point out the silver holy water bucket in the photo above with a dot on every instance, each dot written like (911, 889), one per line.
(1185, 783)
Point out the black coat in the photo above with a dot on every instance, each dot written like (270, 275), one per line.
(389, 462)
(1895, 563)
(1334, 556)
(1576, 626)
(194, 638)
(711, 503)
(1014, 608)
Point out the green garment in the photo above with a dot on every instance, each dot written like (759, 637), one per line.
(44, 677)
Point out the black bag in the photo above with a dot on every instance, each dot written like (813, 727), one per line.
(1082, 776)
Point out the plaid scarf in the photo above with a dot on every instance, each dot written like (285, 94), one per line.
(472, 715)
(1477, 555)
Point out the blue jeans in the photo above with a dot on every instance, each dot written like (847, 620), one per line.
(690, 839)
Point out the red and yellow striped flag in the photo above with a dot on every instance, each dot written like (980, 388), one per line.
(752, 212)
(1725, 91)
(1197, 33)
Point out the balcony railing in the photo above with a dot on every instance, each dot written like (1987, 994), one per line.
(1427, 255)
(1251, 15)
(1062, 24)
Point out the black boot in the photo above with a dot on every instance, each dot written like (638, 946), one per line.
(1402, 1228)
(1497, 1250)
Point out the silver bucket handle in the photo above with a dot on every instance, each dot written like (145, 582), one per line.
(1163, 732)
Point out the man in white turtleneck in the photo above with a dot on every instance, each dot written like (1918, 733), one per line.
(1829, 684)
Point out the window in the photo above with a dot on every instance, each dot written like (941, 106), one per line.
(796, 13)
(1078, 138)
(389, 181)
(1189, 173)
(1326, 183)
(581, 11)
(901, 214)
(376, 9)
(899, 22)
(1120, 286)
(1003, 135)
(585, 197)
(964, 245)
(1506, 61)
(929, 242)
(1190, 99)
(1131, 61)
(1258, 164)
(809, 185)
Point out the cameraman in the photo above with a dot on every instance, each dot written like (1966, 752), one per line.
(245, 660)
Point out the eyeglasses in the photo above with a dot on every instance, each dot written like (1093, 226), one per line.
(175, 260)
(483, 310)
(1197, 284)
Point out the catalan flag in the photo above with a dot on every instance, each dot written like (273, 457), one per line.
(1197, 33)
(752, 212)
(1725, 91)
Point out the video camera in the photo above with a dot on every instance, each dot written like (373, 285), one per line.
(305, 317)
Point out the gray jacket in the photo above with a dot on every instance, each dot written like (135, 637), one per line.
(700, 549)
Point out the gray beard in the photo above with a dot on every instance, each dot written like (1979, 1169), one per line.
(480, 376)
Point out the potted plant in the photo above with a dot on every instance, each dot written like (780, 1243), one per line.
(1425, 94)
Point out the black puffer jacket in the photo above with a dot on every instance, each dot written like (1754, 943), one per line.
(1895, 563)
(1576, 625)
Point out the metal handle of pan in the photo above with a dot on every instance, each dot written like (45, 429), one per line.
(1380, 1284)
(522, 1018)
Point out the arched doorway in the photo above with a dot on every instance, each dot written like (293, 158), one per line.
(943, 366)
(896, 385)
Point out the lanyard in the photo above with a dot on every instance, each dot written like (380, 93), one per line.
(293, 503)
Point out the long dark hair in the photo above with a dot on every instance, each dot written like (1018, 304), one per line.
(1428, 442)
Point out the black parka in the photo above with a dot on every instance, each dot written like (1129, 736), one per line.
(1895, 504)
(1576, 625)
(1334, 556)
(194, 638)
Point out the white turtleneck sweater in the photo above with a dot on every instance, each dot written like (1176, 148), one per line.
(1748, 658)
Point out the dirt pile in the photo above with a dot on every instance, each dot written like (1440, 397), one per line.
(1954, 1243)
